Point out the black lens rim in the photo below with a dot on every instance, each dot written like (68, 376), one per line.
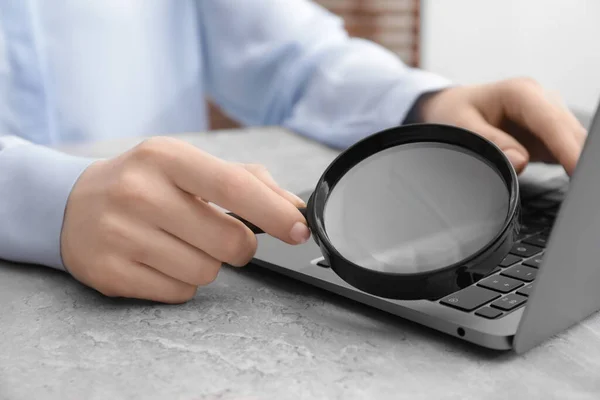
(422, 285)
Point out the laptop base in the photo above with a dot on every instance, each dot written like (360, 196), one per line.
(299, 262)
(305, 264)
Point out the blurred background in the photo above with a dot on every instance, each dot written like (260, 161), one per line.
(557, 42)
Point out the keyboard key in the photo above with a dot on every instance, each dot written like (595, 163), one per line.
(543, 203)
(558, 195)
(500, 283)
(539, 240)
(521, 272)
(534, 262)
(488, 312)
(478, 277)
(525, 250)
(525, 291)
(510, 260)
(509, 302)
(541, 219)
(530, 229)
(470, 298)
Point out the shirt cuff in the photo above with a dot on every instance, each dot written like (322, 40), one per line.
(401, 103)
(35, 183)
(420, 84)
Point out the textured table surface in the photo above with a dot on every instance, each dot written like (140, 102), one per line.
(253, 334)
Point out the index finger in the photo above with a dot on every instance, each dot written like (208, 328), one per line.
(526, 104)
(232, 187)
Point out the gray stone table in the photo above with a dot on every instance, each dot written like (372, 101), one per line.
(253, 334)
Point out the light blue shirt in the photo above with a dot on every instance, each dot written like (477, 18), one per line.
(73, 71)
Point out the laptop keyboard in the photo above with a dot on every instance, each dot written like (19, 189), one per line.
(506, 289)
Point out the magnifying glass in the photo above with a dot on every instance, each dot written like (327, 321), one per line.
(415, 212)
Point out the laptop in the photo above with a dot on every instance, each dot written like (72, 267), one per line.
(548, 282)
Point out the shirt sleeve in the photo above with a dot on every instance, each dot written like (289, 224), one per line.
(291, 63)
(35, 183)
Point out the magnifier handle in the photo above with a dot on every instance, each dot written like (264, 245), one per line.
(255, 229)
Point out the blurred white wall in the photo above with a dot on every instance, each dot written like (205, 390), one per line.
(556, 42)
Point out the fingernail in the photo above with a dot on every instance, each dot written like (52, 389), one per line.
(300, 233)
(517, 159)
(300, 201)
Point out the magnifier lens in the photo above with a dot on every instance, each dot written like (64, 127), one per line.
(416, 207)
